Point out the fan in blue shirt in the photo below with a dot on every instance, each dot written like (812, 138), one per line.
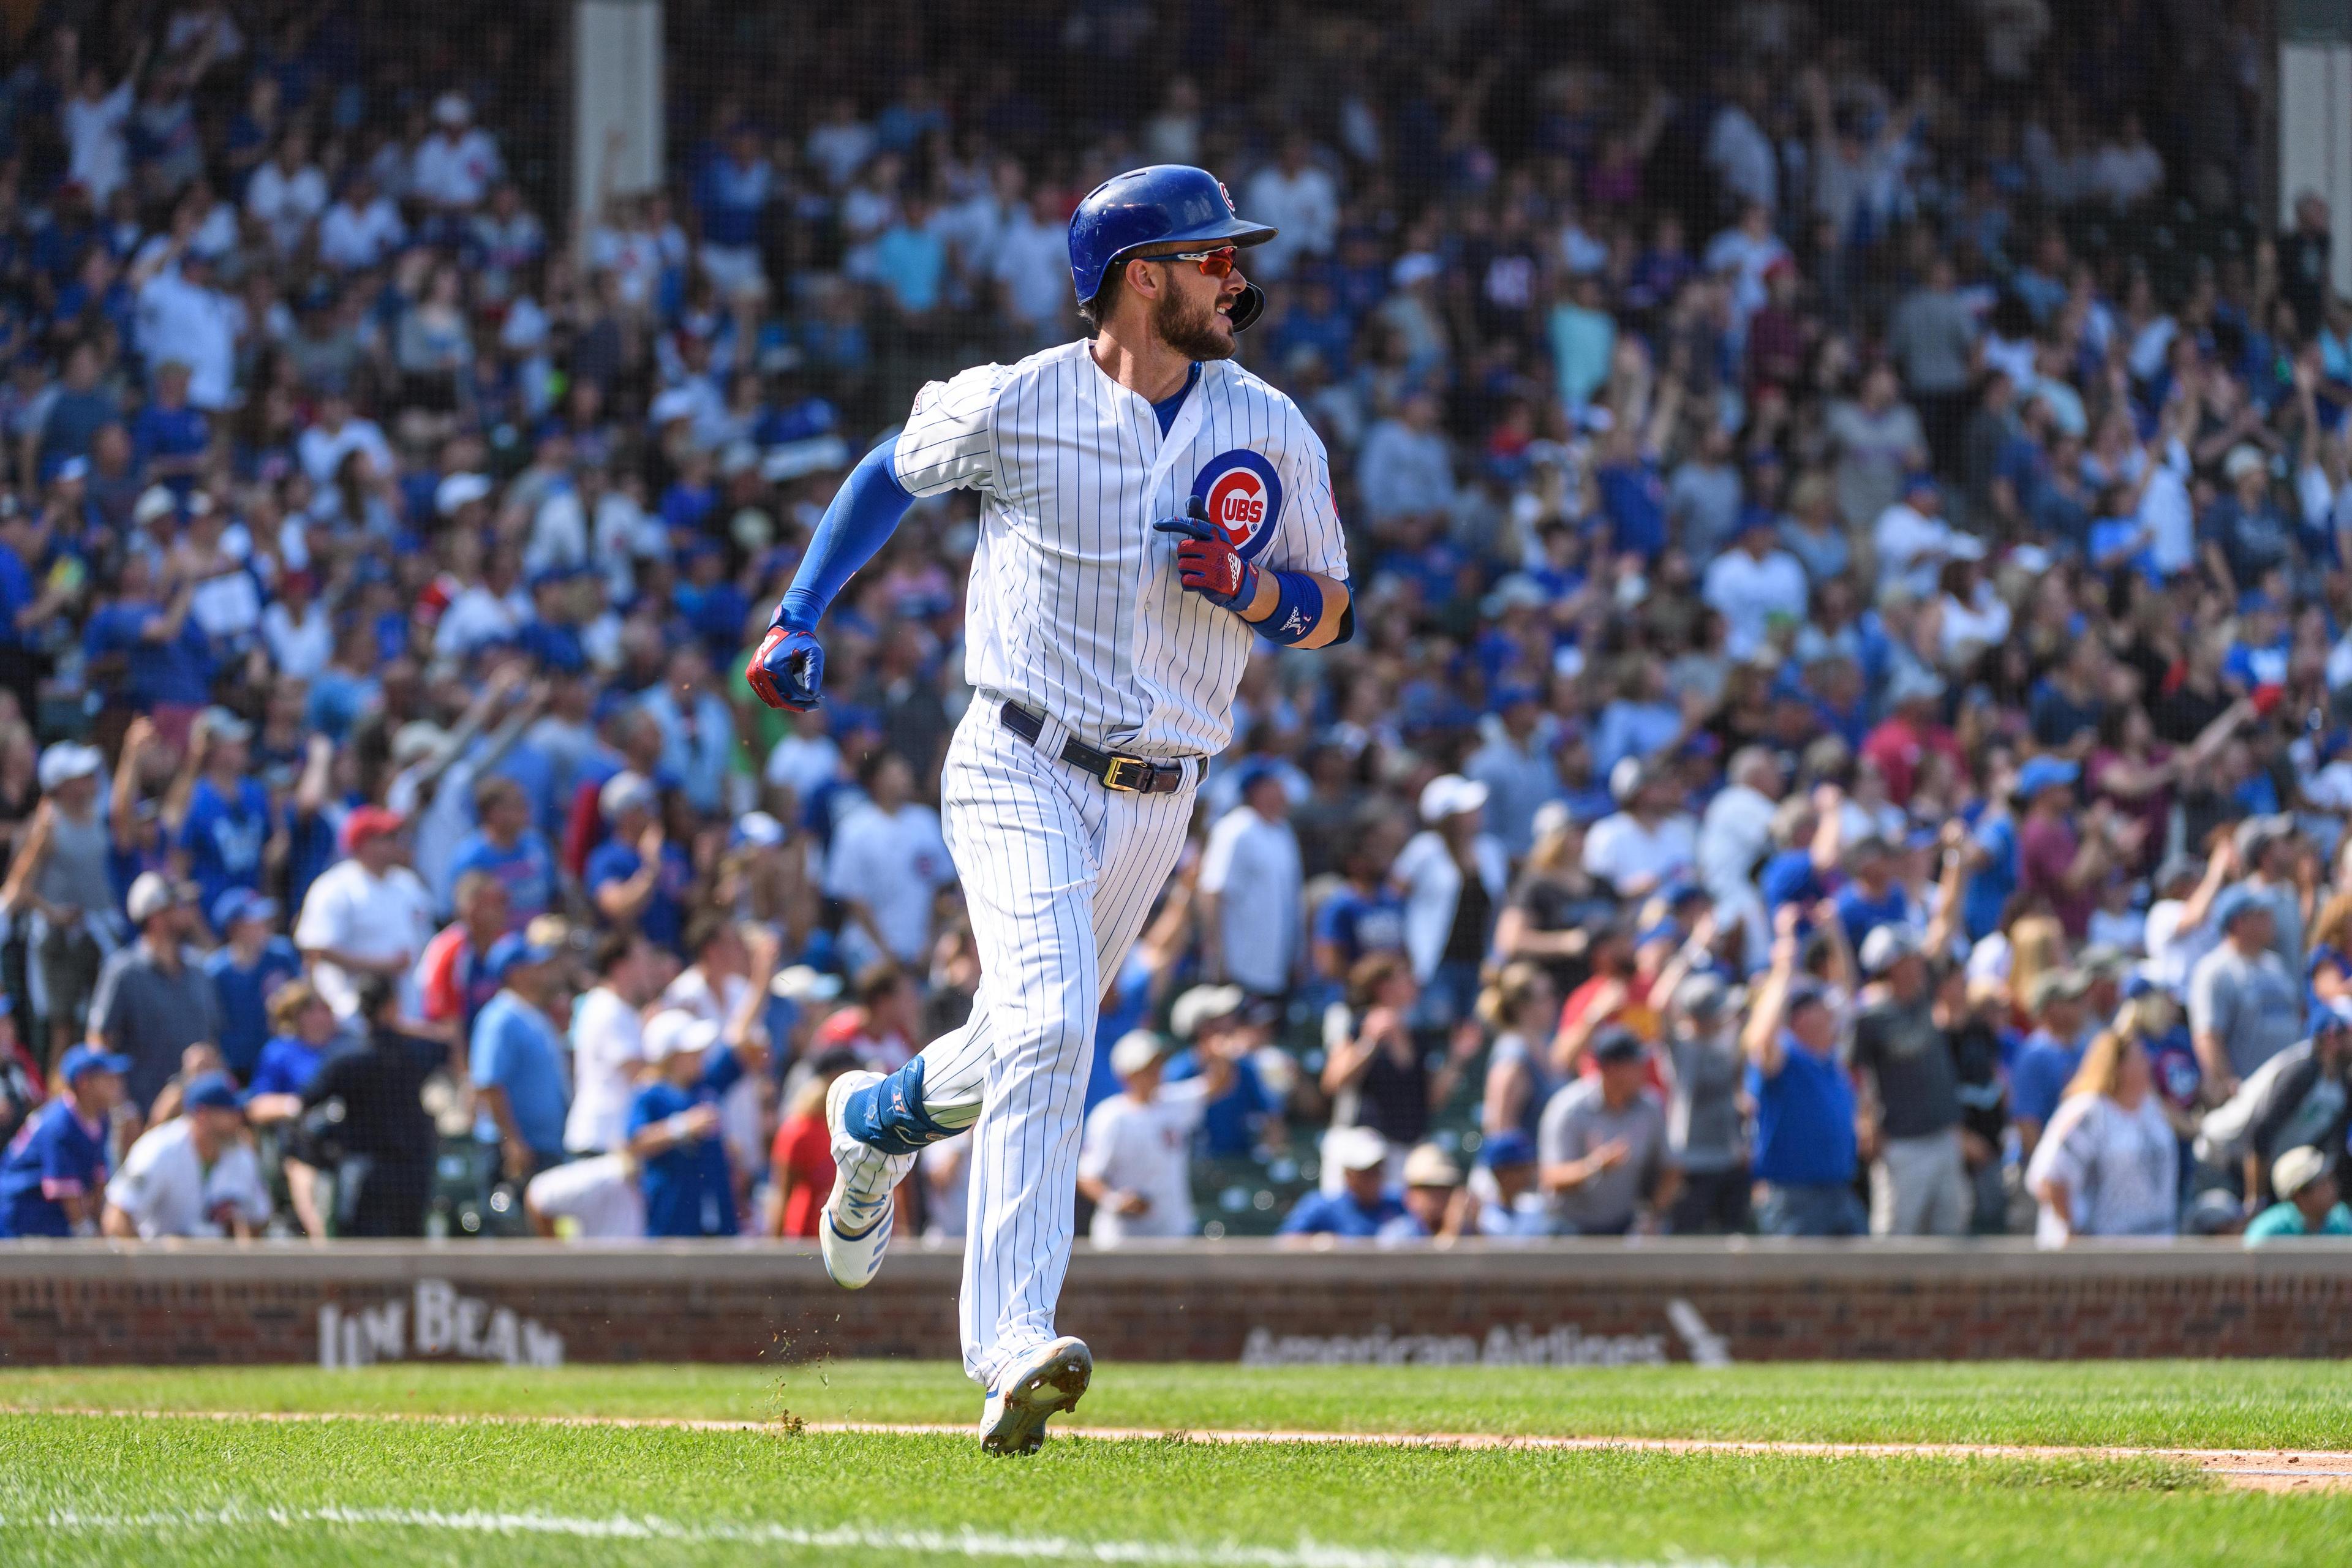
(518, 1060)
(1363, 1205)
(674, 1129)
(508, 849)
(228, 812)
(54, 1173)
(247, 971)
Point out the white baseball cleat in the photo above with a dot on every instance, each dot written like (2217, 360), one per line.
(854, 1231)
(1039, 1385)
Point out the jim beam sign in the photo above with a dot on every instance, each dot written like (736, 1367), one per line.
(438, 1323)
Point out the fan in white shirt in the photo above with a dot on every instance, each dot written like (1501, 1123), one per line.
(368, 914)
(192, 1175)
(1251, 920)
(1647, 842)
(287, 193)
(887, 863)
(1135, 1157)
(1753, 586)
(608, 1045)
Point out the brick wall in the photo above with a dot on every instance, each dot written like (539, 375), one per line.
(96, 1303)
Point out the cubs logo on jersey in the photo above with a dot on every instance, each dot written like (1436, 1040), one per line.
(1243, 498)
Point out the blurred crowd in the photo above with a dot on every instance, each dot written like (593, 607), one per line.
(1848, 515)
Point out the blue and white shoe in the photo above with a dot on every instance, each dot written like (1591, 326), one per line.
(1038, 1387)
(854, 1230)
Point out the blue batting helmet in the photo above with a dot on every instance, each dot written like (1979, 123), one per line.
(1159, 204)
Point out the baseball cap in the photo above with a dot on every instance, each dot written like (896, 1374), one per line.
(2234, 901)
(1511, 1148)
(415, 740)
(515, 951)
(674, 1032)
(1135, 1052)
(67, 761)
(210, 1091)
(1253, 772)
(2335, 1013)
(220, 724)
(1885, 947)
(91, 1059)
(155, 502)
(1355, 1148)
(2257, 833)
(1201, 1004)
(2058, 984)
(2296, 1169)
(1552, 817)
(370, 822)
(2045, 773)
(624, 792)
(1450, 795)
(460, 491)
(2103, 961)
(149, 896)
(1702, 996)
(241, 904)
(803, 983)
(1615, 1045)
(2213, 1212)
(1804, 993)
(758, 829)
(1430, 1166)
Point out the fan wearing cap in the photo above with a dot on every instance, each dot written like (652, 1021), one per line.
(1453, 875)
(59, 880)
(1806, 1152)
(1251, 915)
(192, 1175)
(2307, 1201)
(1363, 914)
(1362, 1205)
(1220, 1024)
(637, 876)
(1516, 765)
(153, 1000)
(149, 652)
(227, 817)
(1905, 1062)
(2055, 862)
(2271, 851)
(2244, 1005)
(521, 1089)
(54, 1172)
(1707, 1132)
(366, 914)
(246, 970)
(1135, 1155)
(2053, 1053)
(1516, 1208)
(1436, 1202)
(1601, 1143)
(2302, 1095)
(674, 1125)
(1648, 840)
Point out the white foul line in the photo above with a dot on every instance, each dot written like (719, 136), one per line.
(965, 1544)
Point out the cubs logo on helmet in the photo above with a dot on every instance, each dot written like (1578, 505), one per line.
(1243, 498)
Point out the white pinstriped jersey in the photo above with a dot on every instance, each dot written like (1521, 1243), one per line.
(1075, 607)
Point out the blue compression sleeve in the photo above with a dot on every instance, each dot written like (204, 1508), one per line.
(864, 513)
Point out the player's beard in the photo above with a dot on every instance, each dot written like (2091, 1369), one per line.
(1191, 332)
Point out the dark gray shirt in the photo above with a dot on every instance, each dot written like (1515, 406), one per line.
(151, 1016)
(1910, 1059)
(1577, 1122)
(1702, 1123)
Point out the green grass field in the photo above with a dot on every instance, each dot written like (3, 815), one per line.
(77, 1488)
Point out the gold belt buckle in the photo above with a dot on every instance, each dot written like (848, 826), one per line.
(1121, 769)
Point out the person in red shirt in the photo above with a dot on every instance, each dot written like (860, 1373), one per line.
(1910, 731)
(801, 1162)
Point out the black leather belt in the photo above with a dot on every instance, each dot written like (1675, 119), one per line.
(1130, 775)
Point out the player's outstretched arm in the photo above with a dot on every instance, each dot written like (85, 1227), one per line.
(788, 670)
(1302, 609)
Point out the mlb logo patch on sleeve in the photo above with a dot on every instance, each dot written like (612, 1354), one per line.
(1243, 498)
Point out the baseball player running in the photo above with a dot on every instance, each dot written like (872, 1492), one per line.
(1148, 509)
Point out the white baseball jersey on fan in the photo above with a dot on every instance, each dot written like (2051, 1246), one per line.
(1076, 612)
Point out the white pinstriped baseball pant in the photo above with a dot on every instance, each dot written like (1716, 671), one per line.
(1058, 874)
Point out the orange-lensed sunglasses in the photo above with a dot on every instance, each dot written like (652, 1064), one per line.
(1218, 263)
